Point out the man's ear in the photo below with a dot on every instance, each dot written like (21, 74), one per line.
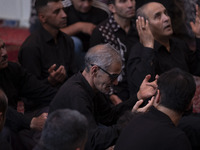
(94, 70)
(111, 7)
(42, 18)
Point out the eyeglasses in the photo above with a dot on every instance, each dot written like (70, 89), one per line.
(112, 77)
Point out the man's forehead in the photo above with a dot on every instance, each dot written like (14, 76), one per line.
(55, 5)
(153, 7)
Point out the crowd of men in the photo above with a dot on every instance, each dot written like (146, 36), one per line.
(90, 80)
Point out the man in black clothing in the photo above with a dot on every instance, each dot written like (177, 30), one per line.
(18, 84)
(82, 18)
(48, 53)
(3, 108)
(64, 129)
(119, 31)
(157, 51)
(86, 92)
(156, 129)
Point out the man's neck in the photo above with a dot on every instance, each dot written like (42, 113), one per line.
(123, 22)
(89, 79)
(165, 42)
(52, 31)
(174, 116)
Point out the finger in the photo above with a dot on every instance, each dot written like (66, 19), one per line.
(197, 10)
(51, 69)
(192, 26)
(140, 23)
(137, 105)
(45, 115)
(147, 78)
(156, 77)
(150, 103)
(143, 23)
(137, 26)
(61, 73)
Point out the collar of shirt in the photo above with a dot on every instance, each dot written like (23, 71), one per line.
(47, 36)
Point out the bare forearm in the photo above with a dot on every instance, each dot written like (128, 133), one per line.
(72, 29)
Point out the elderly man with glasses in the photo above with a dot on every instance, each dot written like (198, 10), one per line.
(87, 93)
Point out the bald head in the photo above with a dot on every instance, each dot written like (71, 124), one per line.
(159, 20)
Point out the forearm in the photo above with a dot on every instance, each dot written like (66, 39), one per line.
(16, 121)
(140, 63)
(72, 29)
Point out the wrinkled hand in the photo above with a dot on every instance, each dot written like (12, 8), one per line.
(147, 89)
(37, 123)
(56, 76)
(144, 32)
(87, 28)
(196, 26)
(143, 109)
(115, 99)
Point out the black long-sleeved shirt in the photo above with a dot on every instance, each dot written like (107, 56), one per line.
(39, 52)
(143, 61)
(17, 84)
(76, 93)
(152, 130)
(94, 15)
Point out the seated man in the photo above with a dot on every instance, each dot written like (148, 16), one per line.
(82, 18)
(3, 108)
(156, 129)
(48, 53)
(17, 83)
(157, 51)
(64, 130)
(120, 32)
(86, 92)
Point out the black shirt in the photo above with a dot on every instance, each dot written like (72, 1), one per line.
(76, 93)
(152, 130)
(109, 31)
(17, 83)
(39, 52)
(95, 16)
(143, 61)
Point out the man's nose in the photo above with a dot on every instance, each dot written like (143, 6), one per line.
(64, 15)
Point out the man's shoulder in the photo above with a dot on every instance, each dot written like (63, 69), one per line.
(33, 39)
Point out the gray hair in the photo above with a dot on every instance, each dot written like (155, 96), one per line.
(140, 11)
(103, 55)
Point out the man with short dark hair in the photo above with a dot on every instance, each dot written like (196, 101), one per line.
(119, 31)
(64, 130)
(18, 84)
(156, 129)
(48, 53)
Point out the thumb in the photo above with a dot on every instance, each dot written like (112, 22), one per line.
(137, 105)
(146, 79)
